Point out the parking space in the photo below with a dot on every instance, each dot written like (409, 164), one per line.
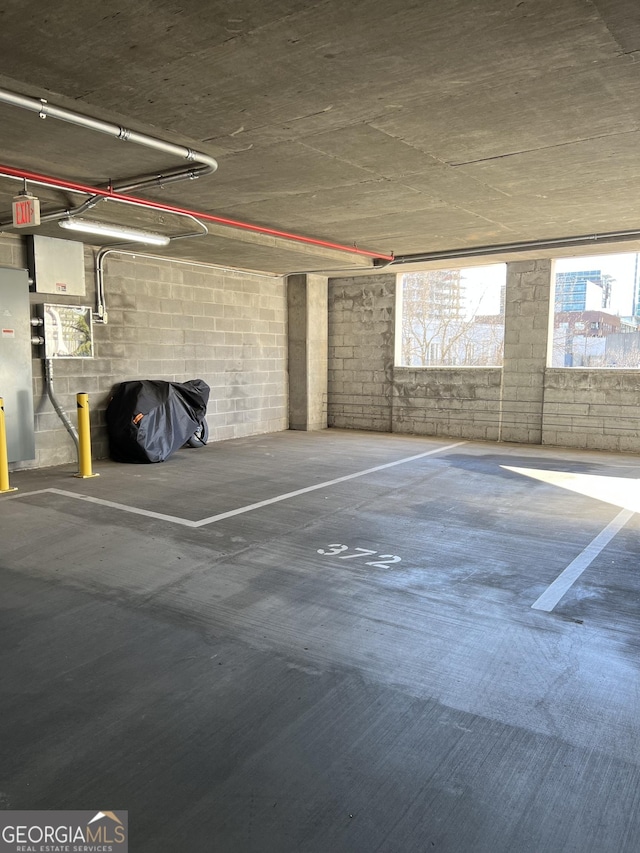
(344, 653)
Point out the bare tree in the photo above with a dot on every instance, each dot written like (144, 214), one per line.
(435, 329)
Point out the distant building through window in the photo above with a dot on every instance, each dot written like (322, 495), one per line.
(596, 314)
(583, 290)
(452, 317)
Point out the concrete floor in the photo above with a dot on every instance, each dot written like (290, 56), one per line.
(237, 690)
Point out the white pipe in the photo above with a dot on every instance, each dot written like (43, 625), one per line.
(101, 306)
(45, 110)
(101, 315)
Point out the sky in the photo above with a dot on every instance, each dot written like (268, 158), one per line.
(483, 286)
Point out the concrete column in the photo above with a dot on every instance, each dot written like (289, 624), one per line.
(307, 302)
(526, 336)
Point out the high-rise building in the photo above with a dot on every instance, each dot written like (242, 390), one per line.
(439, 293)
(583, 290)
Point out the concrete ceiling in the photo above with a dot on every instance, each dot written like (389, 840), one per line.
(403, 126)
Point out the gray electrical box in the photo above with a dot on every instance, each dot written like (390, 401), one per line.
(15, 364)
(56, 266)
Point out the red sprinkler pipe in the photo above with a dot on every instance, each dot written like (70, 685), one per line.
(59, 183)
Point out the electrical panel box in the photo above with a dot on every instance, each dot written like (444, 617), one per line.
(56, 266)
(68, 331)
(15, 364)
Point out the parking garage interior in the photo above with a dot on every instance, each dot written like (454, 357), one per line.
(392, 603)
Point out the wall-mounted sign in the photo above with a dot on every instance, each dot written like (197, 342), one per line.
(26, 211)
(68, 331)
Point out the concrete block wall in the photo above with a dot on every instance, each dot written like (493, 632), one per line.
(361, 341)
(173, 321)
(366, 390)
(449, 402)
(526, 333)
(523, 402)
(596, 409)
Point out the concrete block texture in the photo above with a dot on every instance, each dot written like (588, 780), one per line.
(158, 329)
(361, 346)
(594, 409)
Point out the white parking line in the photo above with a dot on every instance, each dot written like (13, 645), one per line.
(563, 583)
(174, 519)
(185, 522)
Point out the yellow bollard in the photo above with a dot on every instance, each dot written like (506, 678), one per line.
(84, 438)
(4, 456)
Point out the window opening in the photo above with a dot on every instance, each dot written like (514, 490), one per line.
(597, 312)
(452, 317)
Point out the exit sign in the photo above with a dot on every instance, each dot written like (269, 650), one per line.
(26, 211)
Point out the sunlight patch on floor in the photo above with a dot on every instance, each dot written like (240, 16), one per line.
(623, 492)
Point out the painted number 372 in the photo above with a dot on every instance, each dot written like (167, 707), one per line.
(383, 561)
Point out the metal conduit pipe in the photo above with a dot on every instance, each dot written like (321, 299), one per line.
(170, 176)
(131, 184)
(74, 186)
(101, 315)
(48, 381)
(128, 184)
(505, 248)
(206, 166)
(136, 254)
(67, 211)
(46, 110)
